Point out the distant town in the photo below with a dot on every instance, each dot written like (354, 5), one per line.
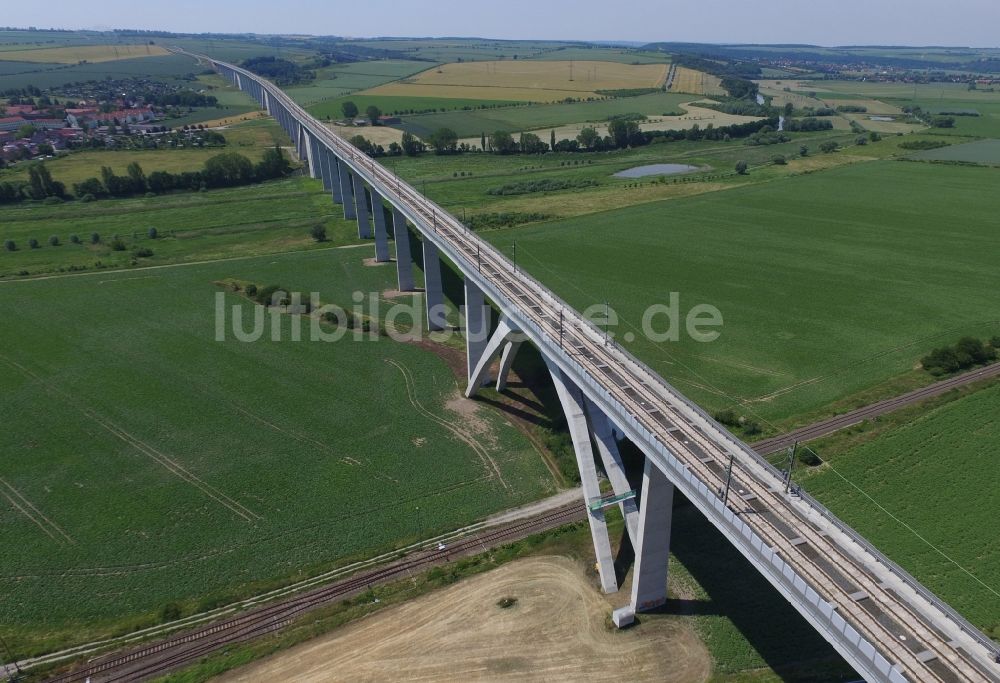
(130, 114)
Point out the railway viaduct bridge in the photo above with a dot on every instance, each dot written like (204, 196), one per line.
(882, 620)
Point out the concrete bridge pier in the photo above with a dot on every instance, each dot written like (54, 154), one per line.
(361, 208)
(505, 340)
(404, 257)
(477, 316)
(611, 458)
(433, 294)
(652, 547)
(336, 186)
(381, 234)
(309, 149)
(574, 406)
(346, 191)
(325, 169)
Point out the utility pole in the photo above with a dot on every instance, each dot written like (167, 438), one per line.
(729, 480)
(791, 463)
(607, 323)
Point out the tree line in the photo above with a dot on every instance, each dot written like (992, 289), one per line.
(229, 169)
(622, 133)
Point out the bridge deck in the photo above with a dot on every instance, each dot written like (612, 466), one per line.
(923, 638)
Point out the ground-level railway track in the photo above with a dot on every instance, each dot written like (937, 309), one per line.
(159, 658)
(921, 651)
(824, 427)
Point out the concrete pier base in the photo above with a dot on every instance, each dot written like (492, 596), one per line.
(404, 257)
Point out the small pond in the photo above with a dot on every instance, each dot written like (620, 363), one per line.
(655, 169)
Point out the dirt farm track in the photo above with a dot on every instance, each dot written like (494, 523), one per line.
(556, 631)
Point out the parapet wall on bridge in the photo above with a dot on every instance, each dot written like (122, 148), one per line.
(903, 634)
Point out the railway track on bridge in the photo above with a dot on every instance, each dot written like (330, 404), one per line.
(879, 601)
(158, 658)
(921, 650)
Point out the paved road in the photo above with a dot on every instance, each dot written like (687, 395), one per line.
(824, 427)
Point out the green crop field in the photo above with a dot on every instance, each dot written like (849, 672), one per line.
(272, 217)
(169, 68)
(979, 152)
(511, 119)
(283, 461)
(937, 473)
(828, 283)
(398, 104)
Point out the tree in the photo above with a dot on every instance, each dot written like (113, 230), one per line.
(227, 170)
(153, 233)
(411, 145)
(74, 239)
(25, 131)
(9, 245)
(779, 160)
(136, 178)
(54, 241)
(318, 232)
(33, 243)
(274, 164)
(350, 109)
(502, 142)
(588, 137)
(444, 141)
(742, 167)
(394, 149)
(552, 139)
(829, 146)
(373, 112)
(364, 144)
(803, 151)
(532, 144)
(482, 141)
(95, 238)
(623, 132)
(789, 109)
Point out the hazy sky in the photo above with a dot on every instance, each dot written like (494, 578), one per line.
(839, 22)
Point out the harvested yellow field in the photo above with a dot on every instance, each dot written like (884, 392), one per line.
(696, 82)
(693, 115)
(380, 135)
(88, 53)
(526, 81)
